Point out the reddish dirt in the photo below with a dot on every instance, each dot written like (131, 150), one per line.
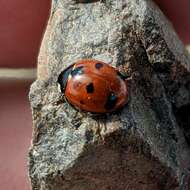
(178, 12)
(15, 135)
(22, 25)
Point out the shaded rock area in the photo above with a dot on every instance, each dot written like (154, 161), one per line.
(143, 146)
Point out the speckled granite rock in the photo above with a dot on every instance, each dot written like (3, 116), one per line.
(142, 146)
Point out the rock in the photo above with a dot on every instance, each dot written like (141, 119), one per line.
(139, 147)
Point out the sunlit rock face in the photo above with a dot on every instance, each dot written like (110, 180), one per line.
(141, 146)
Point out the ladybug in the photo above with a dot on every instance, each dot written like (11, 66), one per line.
(94, 86)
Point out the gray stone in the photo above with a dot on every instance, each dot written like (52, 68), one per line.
(139, 147)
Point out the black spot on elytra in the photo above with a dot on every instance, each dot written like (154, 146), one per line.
(63, 78)
(90, 88)
(77, 71)
(99, 65)
(111, 101)
(82, 102)
(123, 77)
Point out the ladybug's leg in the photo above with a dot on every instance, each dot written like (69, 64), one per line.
(129, 79)
(123, 76)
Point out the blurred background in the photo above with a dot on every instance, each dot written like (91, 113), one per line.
(22, 24)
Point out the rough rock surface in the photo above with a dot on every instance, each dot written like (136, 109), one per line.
(140, 147)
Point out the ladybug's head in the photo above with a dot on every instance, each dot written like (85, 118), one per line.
(69, 71)
(63, 77)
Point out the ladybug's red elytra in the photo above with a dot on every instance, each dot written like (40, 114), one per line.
(94, 86)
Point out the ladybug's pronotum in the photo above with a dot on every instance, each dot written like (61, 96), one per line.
(94, 86)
